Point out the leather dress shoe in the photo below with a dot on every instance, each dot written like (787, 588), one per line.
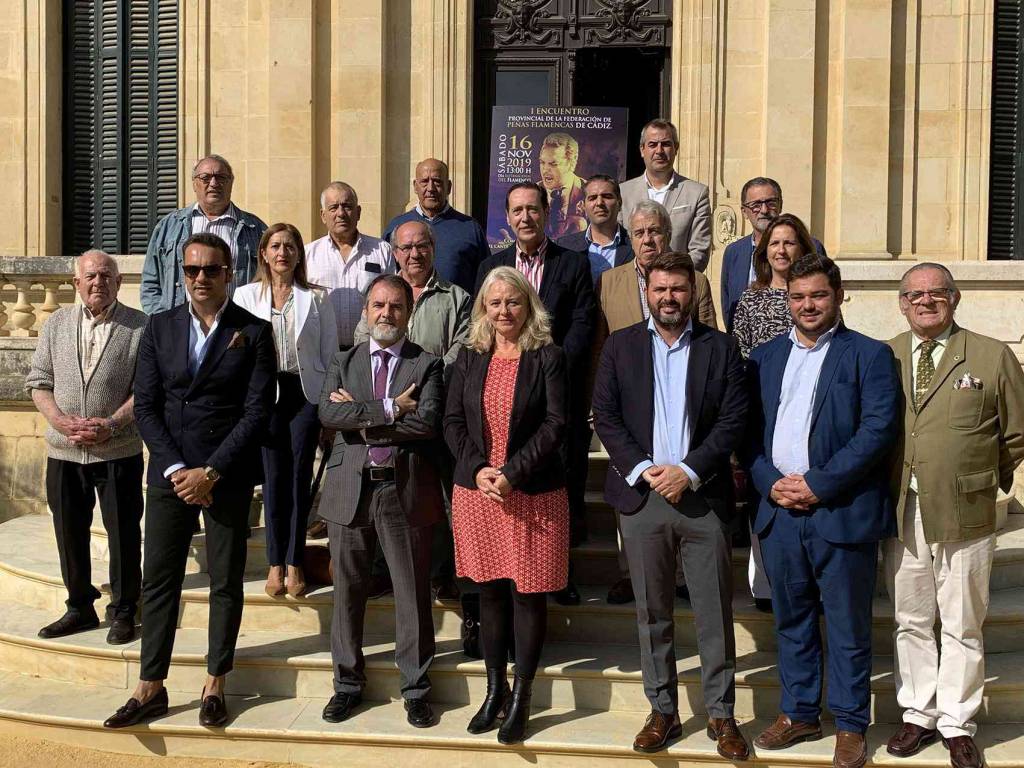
(910, 739)
(340, 707)
(851, 750)
(317, 529)
(70, 623)
(212, 712)
(380, 585)
(785, 733)
(963, 752)
(683, 592)
(763, 604)
(731, 744)
(133, 712)
(657, 730)
(418, 713)
(621, 592)
(568, 595)
(445, 589)
(121, 631)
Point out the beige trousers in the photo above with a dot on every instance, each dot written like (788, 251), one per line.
(939, 688)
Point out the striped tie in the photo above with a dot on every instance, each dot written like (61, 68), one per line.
(925, 372)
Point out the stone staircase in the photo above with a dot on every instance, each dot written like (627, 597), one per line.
(588, 700)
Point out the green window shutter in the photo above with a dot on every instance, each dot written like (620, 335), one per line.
(1006, 165)
(121, 121)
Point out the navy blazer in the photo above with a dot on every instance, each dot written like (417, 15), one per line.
(736, 274)
(716, 406)
(567, 292)
(577, 241)
(854, 426)
(216, 418)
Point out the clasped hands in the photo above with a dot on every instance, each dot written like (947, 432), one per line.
(193, 486)
(493, 484)
(670, 480)
(84, 431)
(792, 492)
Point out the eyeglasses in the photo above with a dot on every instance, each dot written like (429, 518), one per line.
(422, 247)
(771, 203)
(937, 294)
(206, 178)
(210, 270)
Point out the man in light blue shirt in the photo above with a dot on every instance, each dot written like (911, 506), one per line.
(605, 241)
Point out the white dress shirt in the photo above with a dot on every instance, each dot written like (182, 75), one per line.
(222, 226)
(657, 194)
(94, 331)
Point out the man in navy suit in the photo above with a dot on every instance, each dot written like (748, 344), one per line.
(761, 201)
(824, 419)
(605, 241)
(562, 279)
(205, 384)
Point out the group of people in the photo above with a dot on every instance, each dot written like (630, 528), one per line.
(453, 392)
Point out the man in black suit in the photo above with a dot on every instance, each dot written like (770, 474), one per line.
(605, 242)
(385, 398)
(670, 407)
(205, 384)
(562, 279)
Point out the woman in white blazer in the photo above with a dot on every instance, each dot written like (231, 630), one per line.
(306, 338)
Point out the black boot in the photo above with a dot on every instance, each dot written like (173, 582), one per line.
(513, 730)
(495, 703)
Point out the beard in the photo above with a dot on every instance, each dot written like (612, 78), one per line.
(669, 321)
(385, 333)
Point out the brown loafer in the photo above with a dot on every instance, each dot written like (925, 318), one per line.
(851, 750)
(657, 731)
(910, 739)
(621, 592)
(785, 733)
(731, 744)
(963, 752)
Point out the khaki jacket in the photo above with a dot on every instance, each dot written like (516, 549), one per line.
(964, 443)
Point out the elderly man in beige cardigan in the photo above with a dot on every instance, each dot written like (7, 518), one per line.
(81, 381)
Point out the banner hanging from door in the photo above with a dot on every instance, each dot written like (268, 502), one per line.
(558, 148)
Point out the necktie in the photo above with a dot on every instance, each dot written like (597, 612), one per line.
(377, 454)
(925, 371)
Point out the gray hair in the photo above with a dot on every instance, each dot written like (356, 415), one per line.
(946, 274)
(660, 124)
(338, 186)
(430, 232)
(217, 158)
(95, 252)
(653, 208)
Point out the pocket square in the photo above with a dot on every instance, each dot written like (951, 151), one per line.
(968, 382)
(238, 341)
(680, 207)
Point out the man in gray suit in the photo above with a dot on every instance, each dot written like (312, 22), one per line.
(685, 199)
(384, 397)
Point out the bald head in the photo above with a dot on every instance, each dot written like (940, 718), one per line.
(414, 242)
(432, 185)
(97, 280)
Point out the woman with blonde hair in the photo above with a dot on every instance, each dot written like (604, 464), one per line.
(505, 424)
(306, 338)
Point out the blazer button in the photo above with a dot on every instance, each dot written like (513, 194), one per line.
(906, 463)
(913, 434)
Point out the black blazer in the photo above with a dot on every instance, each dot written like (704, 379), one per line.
(216, 418)
(577, 241)
(533, 460)
(362, 424)
(567, 292)
(716, 406)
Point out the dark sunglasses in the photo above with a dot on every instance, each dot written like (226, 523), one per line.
(210, 270)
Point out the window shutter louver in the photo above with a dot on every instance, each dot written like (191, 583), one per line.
(1006, 165)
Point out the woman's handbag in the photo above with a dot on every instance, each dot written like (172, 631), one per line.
(471, 625)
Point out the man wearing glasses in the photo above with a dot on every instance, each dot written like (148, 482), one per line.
(205, 384)
(962, 438)
(163, 283)
(762, 202)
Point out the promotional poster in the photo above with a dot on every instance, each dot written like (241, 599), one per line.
(557, 147)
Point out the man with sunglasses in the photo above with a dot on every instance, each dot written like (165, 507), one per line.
(205, 384)
(962, 438)
(163, 283)
(761, 202)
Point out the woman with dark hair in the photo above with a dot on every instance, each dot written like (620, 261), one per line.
(505, 425)
(763, 309)
(306, 338)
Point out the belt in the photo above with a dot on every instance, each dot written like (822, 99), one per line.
(379, 474)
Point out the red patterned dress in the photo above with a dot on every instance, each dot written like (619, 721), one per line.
(526, 538)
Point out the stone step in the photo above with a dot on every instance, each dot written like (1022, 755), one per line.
(571, 675)
(31, 575)
(292, 730)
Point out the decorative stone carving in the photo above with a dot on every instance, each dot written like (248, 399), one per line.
(725, 226)
(522, 22)
(623, 21)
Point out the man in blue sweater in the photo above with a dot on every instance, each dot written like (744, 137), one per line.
(461, 244)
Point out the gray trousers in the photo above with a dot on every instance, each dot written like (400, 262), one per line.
(407, 552)
(652, 537)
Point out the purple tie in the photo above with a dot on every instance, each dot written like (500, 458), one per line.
(380, 391)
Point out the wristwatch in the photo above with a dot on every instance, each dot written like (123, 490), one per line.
(112, 427)
(396, 409)
(212, 474)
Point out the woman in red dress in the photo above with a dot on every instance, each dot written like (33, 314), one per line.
(505, 425)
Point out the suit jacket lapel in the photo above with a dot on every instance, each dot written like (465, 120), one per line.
(904, 356)
(955, 354)
(643, 365)
(674, 190)
(552, 263)
(836, 350)
(216, 346)
(697, 374)
(526, 380)
(302, 298)
(773, 373)
(405, 368)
